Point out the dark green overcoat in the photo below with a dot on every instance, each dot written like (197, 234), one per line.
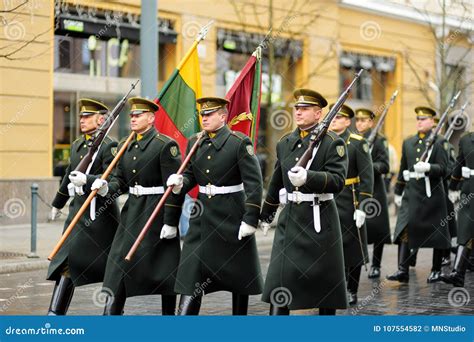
(307, 268)
(85, 250)
(213, 259)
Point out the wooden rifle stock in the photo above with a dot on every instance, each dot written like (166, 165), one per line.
(84, 206)
(162, 201)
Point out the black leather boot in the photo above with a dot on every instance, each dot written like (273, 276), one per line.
(456, 277)
(168, 305)
(61, 298)
(446, 257)
(403, 264)
(114, 304)
(376, 261)
(240, 304)
(413, 256)
(279, 310)
(353, 278)
(189, 305)
(327, 312)
(435, 275)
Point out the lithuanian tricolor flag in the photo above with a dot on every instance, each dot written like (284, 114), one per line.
(244, 97)
(177, 116)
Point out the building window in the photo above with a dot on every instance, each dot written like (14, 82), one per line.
(369, 89)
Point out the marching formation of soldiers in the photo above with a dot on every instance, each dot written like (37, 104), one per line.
(322, 232)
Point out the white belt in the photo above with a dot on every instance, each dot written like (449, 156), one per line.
(139, 190)
(79, 190)
(407, 175)
(299, 197)
(467, 172)
(212, 190)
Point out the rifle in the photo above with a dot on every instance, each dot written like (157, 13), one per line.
(162, 201)
(320, 130)
(431, 139)
(450, 130)
(373, 134)
(89, 199)
(96, 140)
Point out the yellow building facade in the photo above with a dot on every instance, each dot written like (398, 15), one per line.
(332, 40)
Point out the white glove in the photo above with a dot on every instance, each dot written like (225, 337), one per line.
(168, 232)
(75, 190)
(359, 218)
(398, 200)
(101, 186)
(246, 230)
(466, 172)
(55, 213)
(176, 181)
(422, 167)
(77, 178)
(298, 175)
(265, 227)
(406, 175)
(454, 196)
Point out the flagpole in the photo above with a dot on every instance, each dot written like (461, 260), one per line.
(201, 36)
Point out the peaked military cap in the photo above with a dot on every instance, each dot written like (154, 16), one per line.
(91, 107)
(211, 104)
(364, 113)
(425, 112)
(308, 98)
(139, 105)
(345, 111)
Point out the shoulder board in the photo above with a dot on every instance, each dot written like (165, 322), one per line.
(284, 136)
(332, 135)
(239, 135)
(75, 141)
(162, 137)
(356, 136)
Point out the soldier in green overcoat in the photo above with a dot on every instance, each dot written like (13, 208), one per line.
(142, 172)
(420, 194)
(461, 189)
(219, 250)
(95, 230)
(307, 265)
(378, 223)
(354, 200)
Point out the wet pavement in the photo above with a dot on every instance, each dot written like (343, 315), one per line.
(28, 293)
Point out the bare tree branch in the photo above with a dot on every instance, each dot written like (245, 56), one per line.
(15, 8)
